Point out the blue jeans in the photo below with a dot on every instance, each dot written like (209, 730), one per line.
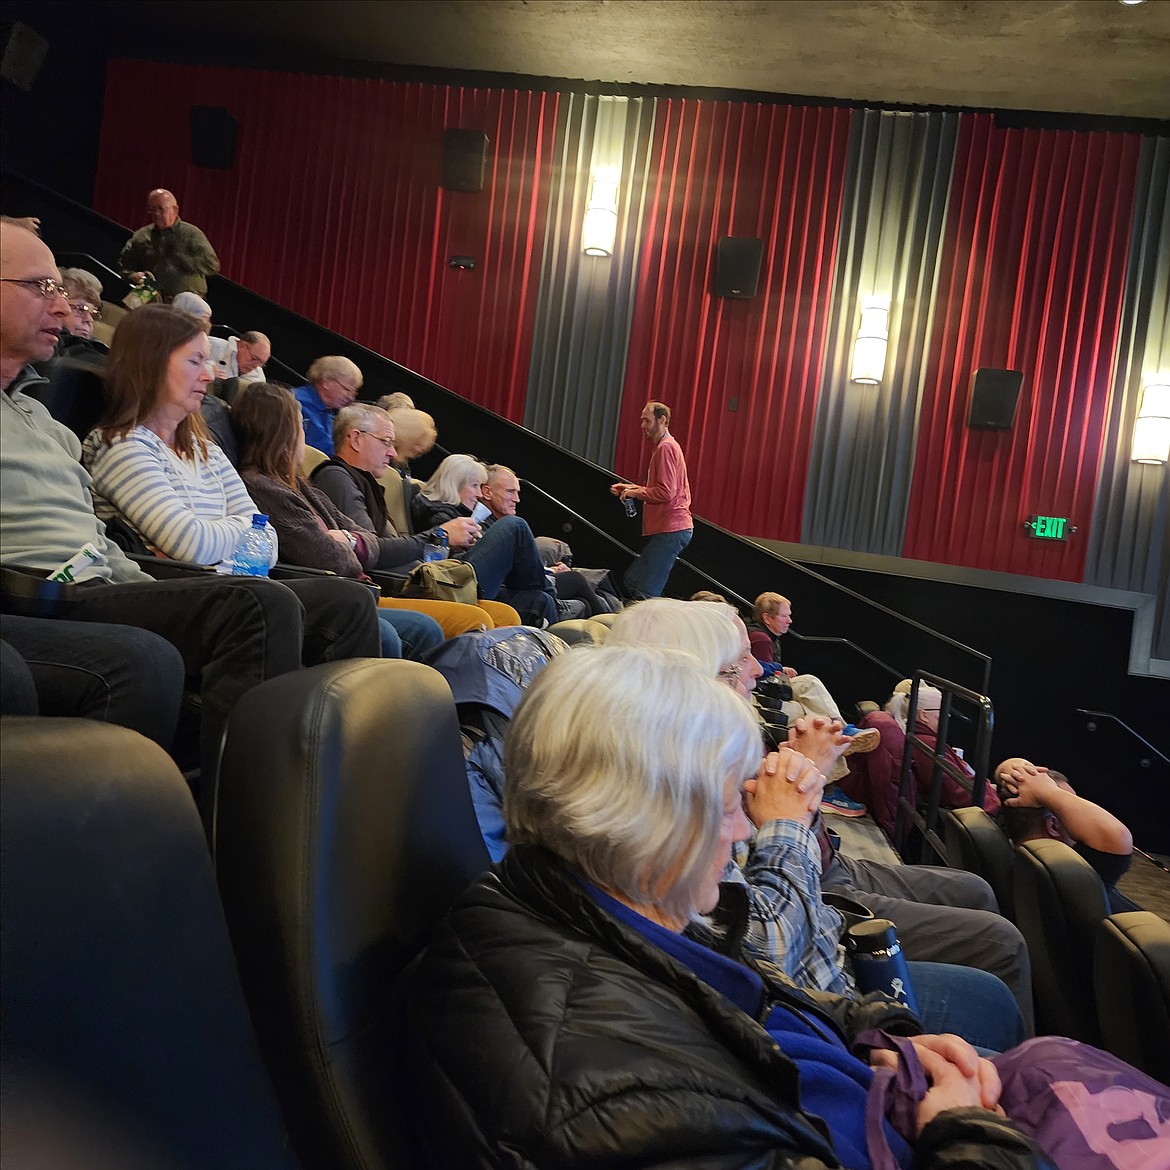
(647, 576)
(969, 1002)
(508, 568)
(406, 634)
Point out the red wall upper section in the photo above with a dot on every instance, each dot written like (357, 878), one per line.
(334, 207)
(1032, 279)
(732, 169)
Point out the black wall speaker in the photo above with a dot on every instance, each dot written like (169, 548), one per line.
(737, 266)
(994, 397)
(464, 160)
(213, 138)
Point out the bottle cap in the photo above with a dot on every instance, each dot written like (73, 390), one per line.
(259, 520)
(876, 934)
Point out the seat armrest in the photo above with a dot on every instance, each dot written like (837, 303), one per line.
(391, 584)
(29, 593)
(163, 568)
(287, 572)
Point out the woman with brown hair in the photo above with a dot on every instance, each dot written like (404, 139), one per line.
(312, 531)
(150, 455)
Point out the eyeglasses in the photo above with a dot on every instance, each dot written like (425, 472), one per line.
(91, 311)
(348, 389)
(730, 673)
(387, 443)
(45, 285)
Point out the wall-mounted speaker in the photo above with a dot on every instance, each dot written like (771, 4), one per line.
(995, 394)
(737, 266)
(23, 55)
(213, 138)
(464, 160)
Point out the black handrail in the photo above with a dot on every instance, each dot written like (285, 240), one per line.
(1108, 715)
(926, 822)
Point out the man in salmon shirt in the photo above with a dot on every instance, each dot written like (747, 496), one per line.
(666, 516)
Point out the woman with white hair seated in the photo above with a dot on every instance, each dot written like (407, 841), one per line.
(567, 1012)
(84, 291)
(504, 555)
(788, 923)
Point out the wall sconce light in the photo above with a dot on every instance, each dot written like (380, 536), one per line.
(1151, 432)
(599, 231)
(869, 350)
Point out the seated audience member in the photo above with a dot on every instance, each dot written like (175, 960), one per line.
(415, 435)
(586, 946)
(504, 556)
(196, 306)
(92, 670)
(557, 556)
(788, 923)
(84, 291)
(396, 401)
(312, 531)
(232, 634)
(364, 444)
(243, 357)
(771, 617)
(875, 778)
(333, 382)
(149, 456)
(708, 595)
(501, 493)
(1037, 803)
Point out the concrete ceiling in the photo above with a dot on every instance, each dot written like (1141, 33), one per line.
(1075, 56)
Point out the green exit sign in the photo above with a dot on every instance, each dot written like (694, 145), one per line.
(1049, 527)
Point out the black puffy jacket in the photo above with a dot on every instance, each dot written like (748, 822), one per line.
(541, 1032)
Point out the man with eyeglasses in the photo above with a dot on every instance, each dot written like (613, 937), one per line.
(231, 632)
(333, 382)
(177, 254)
(242, 358)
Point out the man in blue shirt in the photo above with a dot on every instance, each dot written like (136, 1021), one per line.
(334, 382)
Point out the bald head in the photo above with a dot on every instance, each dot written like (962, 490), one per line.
(162, 207)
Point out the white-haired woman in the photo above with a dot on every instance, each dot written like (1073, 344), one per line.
(881, 777)
(567, 1012)
(788, 923)
(84, 291)
(503, 551)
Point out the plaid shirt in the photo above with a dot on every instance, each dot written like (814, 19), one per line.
(788, 922)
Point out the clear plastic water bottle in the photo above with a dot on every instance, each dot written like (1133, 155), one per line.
(253, 554)
(631, 507)
(437, 547)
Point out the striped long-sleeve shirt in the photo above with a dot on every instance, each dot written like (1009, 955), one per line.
(190, 509)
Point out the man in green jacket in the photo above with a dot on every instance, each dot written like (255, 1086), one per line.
(176, 253)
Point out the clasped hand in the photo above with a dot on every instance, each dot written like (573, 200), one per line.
(787, 787)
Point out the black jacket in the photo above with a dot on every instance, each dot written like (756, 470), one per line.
(541, 1032)
(427, 513)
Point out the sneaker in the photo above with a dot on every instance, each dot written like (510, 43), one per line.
(861, 739)
(837, 803)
